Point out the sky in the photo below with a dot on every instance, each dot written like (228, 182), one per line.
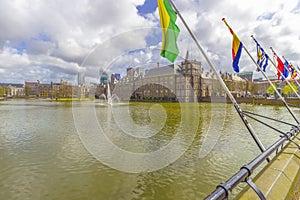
(54, 40)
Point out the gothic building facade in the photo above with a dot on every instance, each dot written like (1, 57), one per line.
(185, 83)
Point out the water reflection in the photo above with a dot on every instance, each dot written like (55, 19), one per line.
(42, 157)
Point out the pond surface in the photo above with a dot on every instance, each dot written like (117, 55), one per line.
(42, 156)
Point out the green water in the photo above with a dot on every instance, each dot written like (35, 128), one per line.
(42, 156)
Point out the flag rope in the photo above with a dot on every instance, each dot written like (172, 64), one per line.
(276, 120)
(237, 107)
(281, 73)
(272, 85)
(295, 69)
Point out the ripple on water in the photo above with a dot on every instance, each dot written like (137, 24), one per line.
(42, 157)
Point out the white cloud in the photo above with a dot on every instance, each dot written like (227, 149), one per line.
(9, 57)
(53, 38)
(64, 31)
(273, 24)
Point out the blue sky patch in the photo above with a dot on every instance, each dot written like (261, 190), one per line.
(296, 9)
(266, 16)
(21, 47)
(154, 38)
(148, 7)
(43, 37)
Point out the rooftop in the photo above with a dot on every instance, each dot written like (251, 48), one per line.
(162, 71)
(12, 84)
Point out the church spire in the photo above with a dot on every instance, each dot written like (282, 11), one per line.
(187, 55)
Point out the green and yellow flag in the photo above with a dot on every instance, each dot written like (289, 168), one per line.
(170, 30)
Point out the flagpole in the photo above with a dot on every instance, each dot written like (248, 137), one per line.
(275, 89)
(298, 72)
(297, 69)
(281, 73)
(258, 67)
(287, 69)
(237, 107)
(288, 82)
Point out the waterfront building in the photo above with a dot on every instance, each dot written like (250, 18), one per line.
(81, 78)
(31, 88)
(11, 90)
(37, 89)
(158, 84)
(45, 90)
(131, 72)
(140, 71)
(79, 91)
(124, 88)
(263, 86)
(88, 90)
(187, 82)
(246, 75)
(16, 90)
(166, 83)
(189, 88)
(209, 84)
(55, 90)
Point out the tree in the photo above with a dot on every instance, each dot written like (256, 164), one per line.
(1, 91)
(253, 88)
(229, 84)
(287, 90)
(270, 90)
(27, 91)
